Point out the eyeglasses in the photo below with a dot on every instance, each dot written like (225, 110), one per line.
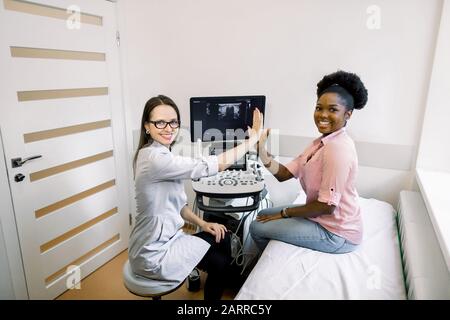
(161, 124)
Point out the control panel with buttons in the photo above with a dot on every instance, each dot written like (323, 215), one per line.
(230, 182)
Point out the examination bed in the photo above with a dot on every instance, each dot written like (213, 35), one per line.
(373, 271)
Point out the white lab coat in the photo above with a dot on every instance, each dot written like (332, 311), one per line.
(158, 248)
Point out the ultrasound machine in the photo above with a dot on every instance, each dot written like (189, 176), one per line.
(221, 123)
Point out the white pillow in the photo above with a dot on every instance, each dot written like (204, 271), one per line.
(282, 193)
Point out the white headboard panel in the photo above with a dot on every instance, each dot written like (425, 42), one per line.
(426, 273)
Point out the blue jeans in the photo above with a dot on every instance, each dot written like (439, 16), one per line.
(299, 232)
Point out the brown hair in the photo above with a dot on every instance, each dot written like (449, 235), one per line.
(151, 104)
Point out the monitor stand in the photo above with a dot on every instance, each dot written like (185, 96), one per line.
(217, 147)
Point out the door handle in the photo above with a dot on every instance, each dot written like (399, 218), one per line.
(18, 162)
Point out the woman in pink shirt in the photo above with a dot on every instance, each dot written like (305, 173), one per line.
(330, 221)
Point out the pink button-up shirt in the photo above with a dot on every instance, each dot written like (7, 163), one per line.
(327, 172)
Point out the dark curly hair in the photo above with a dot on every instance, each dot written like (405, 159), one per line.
(347, 85)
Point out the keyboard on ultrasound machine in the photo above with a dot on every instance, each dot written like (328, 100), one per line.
(231, 182)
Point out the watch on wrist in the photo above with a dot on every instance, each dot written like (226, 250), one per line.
(284, 213)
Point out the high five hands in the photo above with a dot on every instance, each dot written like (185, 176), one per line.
(256, 130)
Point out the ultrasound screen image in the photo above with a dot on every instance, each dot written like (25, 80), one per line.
(228, 111)
(223, 118)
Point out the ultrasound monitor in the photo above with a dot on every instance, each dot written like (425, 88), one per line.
(223, 121)
(223, 118)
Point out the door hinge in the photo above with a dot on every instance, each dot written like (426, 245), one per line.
(130, 219)
(118, 38)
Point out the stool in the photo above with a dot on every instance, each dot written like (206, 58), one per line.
(145, 287)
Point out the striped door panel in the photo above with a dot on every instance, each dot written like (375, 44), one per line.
(60, 80)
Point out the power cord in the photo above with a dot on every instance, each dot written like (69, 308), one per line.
(239, 256)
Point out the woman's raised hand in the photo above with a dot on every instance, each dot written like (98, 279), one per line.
(256, 130)
(230, 156)
(262, 139)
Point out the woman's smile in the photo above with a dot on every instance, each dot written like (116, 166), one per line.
(324, 123)
(167, 137)
(330, 115)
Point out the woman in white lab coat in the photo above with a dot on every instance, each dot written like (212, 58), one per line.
(158, 248)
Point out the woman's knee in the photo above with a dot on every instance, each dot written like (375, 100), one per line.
(270, 211)
(255, 228)
(261, 229)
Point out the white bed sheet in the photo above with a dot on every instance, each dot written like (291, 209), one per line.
(373, 271)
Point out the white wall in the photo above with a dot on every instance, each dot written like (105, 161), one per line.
(140, 54)
(434, 153)
(282, 49)
(6, 289)
(433, 161)
(12, 276)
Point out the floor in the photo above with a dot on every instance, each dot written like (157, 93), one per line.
(106, 284)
